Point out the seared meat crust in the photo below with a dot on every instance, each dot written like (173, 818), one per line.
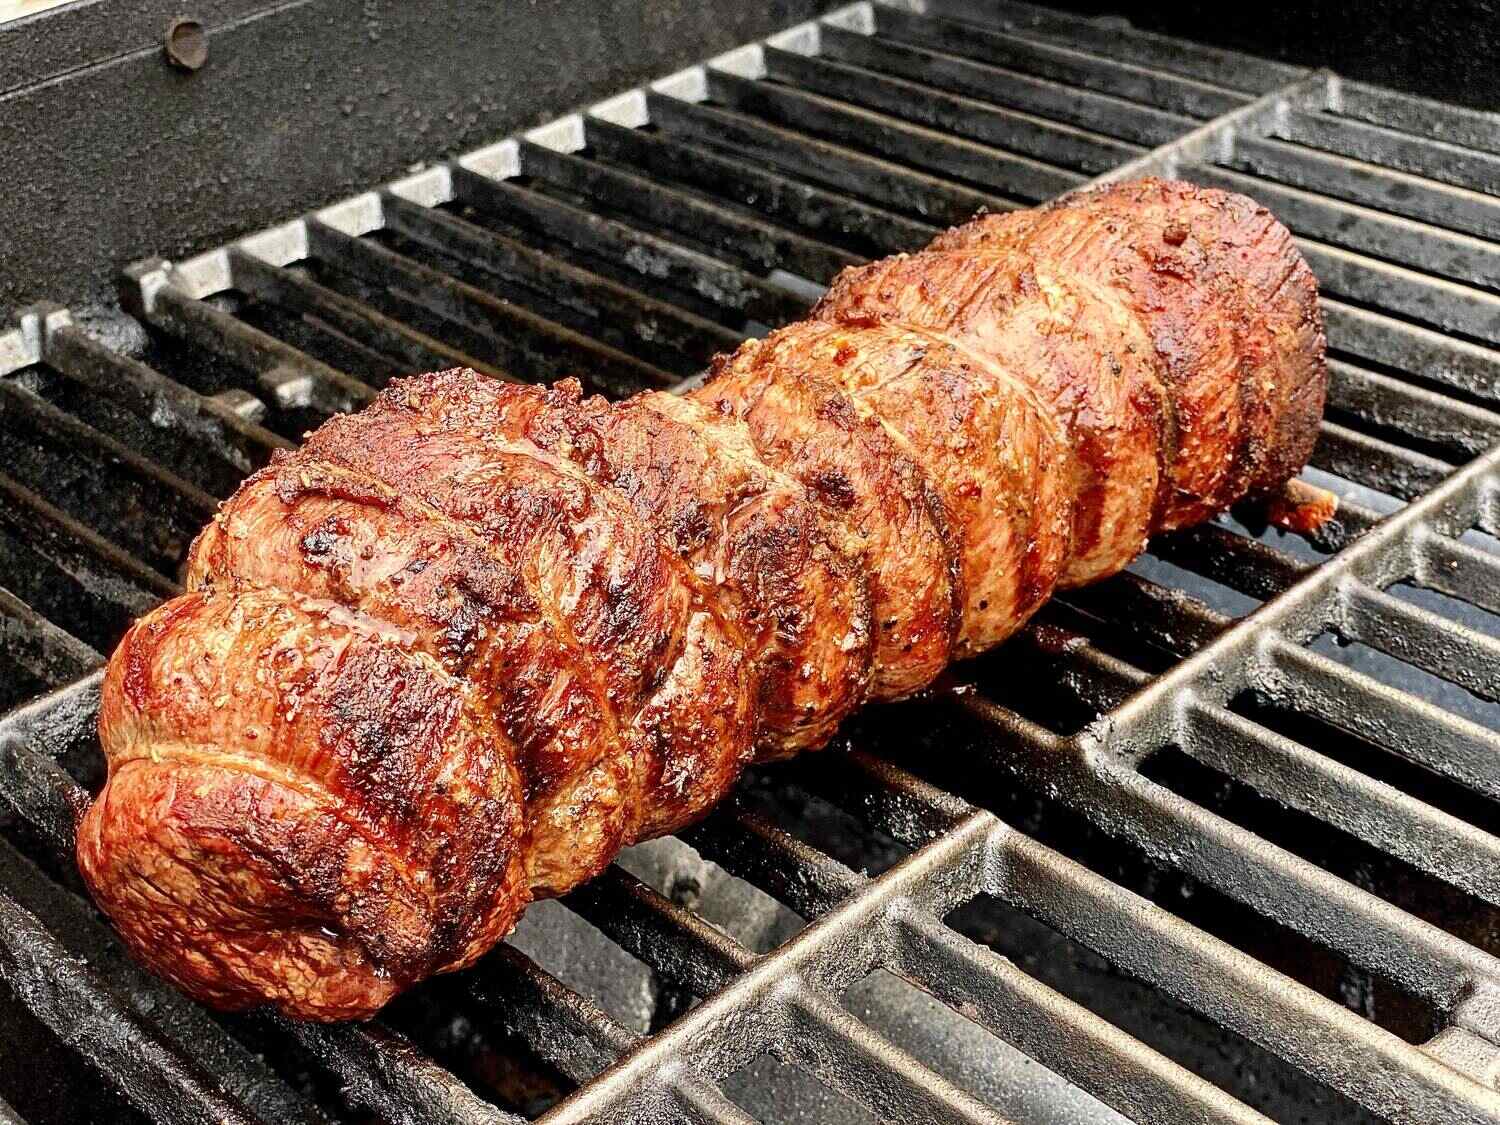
(462, 647)
(1067, 351)
(300, 810)
(782, 567)
(803, 422)
(574, 620)
(1231, 309)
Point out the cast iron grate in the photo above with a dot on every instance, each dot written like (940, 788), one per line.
(1304, 732)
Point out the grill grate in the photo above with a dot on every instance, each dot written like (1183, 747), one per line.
(1325, 769)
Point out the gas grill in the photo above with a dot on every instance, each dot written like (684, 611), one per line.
(1215, 840)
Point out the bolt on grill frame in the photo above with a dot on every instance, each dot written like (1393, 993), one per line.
(1114, 103)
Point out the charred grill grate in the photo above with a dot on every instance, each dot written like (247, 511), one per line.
(1283, 821)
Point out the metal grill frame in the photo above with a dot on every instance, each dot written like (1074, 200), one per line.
(786, 1001)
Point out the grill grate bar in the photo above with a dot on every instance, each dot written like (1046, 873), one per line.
(682, 947)
(1158, 614)
(1458, 654)
(1449, 123)
(878, 180)
(1458, 569)
(987, 167)
(1116, 1068)
(1115, 117)
(1033, 137)
(536, 343)
(577, 1037)
(1097, 675)
(1371, 185)
(1404, 724)
(1381, 465)
(1119, 40)
(1060, 638)
(700, 1102)
(110, 575)
(1099, 779)
(724, 230)
(689, 271)
(825, 956)
(833, 217)
(55, 723)
(1364, 807)
(376, 367)
(1323, 1038)
(1097, 72)
(678, 944)
(1432, 160)
(1078, 915)
(353, 319)
(1246, 565)
(51, 656)
(154, 1074)
(650, 320)
(864, 1066)
(385, 1071)
(1214, 138)
(1431, 300)
(750, 847)
(290, 377)
(689, 952)
(896, 802)
(103, 477)
(44, 794)
(571, 1031)
(1461, 257)
(1061, 1035)
(1398, 406)
(1406, 347)
(45, 424)
(241, 444)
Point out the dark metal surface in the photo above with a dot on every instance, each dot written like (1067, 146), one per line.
(1444, 49)
(1212, 841)
(111, 152)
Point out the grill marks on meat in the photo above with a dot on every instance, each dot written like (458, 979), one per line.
(1231, 310)
(1071, 356)
(462, 647)
(613, 590)
(803, 422)
(296, 798)
(986, 450)
(590, 643)
(779, 564)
